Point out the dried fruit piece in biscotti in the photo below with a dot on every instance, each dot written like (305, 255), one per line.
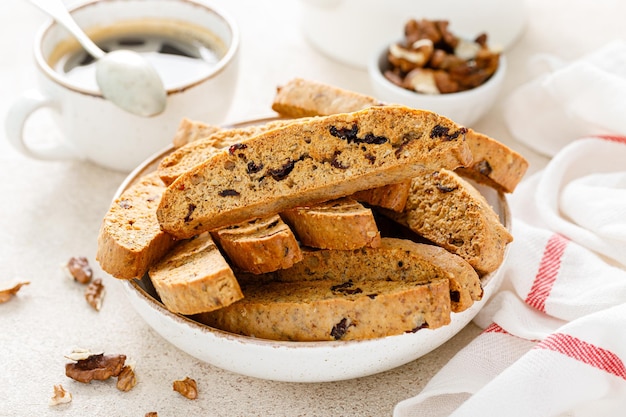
(331, 310)
(130, 238)
(197, 151)
(310, 162)
(194, 277)
(394, 259)
(260, 245)
(338, 224)
(301, 98)
(449, 211)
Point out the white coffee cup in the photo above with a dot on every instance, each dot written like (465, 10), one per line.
(92, 128)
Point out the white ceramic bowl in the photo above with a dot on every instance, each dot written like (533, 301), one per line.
(465, 107)
(297, 361)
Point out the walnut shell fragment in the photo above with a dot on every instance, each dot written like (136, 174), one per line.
(7, 293)
(99, 367)
(187, 388)
(60, 396)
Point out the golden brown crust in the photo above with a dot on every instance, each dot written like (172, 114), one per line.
(130, 238)
(337, 224)
(392, 196)
(191, 130)
(310, 162)
(194, 278)
(303, 98)
(260, 245)
(494, 164)
(329, 310)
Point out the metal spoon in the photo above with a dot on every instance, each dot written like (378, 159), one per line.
(125, 78)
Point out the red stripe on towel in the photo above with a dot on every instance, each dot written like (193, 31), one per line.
(584, 352)
(547, 273)
(494, 328)
(613, 138)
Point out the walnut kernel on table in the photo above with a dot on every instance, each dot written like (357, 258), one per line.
(61, 396)
(94, 294)
(433, 60)
(8, 293)
(187, 388)
(79, 269)
(95, 367)
(126, 380)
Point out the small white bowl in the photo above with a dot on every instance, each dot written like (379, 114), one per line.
(464, 108)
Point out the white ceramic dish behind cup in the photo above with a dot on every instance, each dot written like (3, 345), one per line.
(465, 107)
(296, 361)
(91, 128)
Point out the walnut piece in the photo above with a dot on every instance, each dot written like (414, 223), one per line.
(80, 270)
(60, 396)
(187, 388)
(7, 293)
(126, 380)
(152, 414)
(99, 367)
(428, 48)
(94, 294)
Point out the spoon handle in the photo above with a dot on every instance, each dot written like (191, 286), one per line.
(57, 10)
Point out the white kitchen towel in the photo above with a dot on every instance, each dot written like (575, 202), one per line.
(570, 100)
(554, 339)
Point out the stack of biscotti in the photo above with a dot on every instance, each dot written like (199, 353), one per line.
(280, 203)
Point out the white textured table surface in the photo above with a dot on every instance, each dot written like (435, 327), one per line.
(51, 211)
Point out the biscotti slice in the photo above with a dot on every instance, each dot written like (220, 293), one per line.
(328, 310)
(194, 278)
(195, 152)
(392, 196)
(260, 245)
(338, 224)
(130, 238)
(191, 130)
(301, 98)
(494, 164)
(449, 211)
(310, 162)
(394, 259)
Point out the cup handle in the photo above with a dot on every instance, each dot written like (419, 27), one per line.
(21, 110)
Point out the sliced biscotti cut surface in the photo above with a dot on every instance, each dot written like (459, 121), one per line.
(310, 162)
(394, 259)
(328, 310)
(194, 277)
(449, 211)
(197, 151)
(130, 237)
(260, 245)
(191, 130)
(338, 224)
(494, 164)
